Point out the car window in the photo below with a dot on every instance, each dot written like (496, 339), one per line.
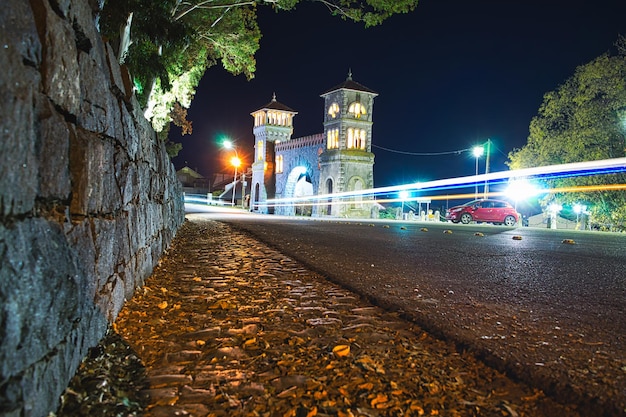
(499, 204)
(487, 204)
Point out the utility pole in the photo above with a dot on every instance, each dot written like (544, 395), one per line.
(487, 167)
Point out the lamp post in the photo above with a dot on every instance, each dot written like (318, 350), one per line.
(477, 151)
(487, 167)
(403, 195)
(235, 162)
(580, 210)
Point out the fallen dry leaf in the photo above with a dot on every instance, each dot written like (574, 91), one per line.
(379, 400)
(341, 350)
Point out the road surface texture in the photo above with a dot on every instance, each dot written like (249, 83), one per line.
(227, 325)
(545, 306)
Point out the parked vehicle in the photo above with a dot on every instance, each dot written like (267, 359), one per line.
(483, 210)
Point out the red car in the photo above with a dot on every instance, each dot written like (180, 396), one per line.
(488, 211)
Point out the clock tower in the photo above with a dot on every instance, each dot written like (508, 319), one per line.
(273, 123)
(347, 162)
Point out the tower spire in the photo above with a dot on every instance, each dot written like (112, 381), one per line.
(349, 74)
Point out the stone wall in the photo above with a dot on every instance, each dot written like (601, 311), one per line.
(89, 199)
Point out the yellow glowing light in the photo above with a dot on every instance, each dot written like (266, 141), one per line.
(235, 161)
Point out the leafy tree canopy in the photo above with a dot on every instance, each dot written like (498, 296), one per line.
(168, 44)
(584, 119)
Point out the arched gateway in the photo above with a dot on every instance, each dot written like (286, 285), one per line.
(286, 171)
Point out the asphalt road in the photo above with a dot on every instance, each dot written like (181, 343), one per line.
(546, 306)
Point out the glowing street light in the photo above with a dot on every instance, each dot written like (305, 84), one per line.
(477, 151)
(403, 196)
(579, 209)
(235, 162)
(520, 189)
(553, 210)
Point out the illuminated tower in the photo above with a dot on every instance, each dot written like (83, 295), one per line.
(273, 123)
(347, 163)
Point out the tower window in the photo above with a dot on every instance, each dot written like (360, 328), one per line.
(259, 119)
(356, 109)
(356, 138)
(333, 110)
(279, 164)
(259, 150)
(332, 139)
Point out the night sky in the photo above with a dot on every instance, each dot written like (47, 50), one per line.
(450, 75)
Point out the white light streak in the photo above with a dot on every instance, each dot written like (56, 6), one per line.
(552, 171)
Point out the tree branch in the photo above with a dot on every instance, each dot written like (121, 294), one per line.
(204, 5)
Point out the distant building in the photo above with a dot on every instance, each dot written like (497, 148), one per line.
(192, 181)
(339, 160)
(224, 182)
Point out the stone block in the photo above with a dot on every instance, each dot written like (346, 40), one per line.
(80, 238)
(104, 243)
(121, 248)
(144, 176)
(94, 187)
(83, 14)
(99, 111)
(130, 190)
(60, 72)
(18, 175)
(19, 37)
(53, 144)
(130, 139)
(115, 74)
(19, 46)
(110, 299)
(41, 293)
(132, 216)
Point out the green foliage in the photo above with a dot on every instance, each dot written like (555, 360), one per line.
(387, 213)
(173, 148)
(583, 120)
(174, 42)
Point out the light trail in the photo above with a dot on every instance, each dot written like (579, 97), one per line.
(605, 166)
(585, 188)
(470, 196)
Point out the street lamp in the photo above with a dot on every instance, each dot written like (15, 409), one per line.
(554, 209)
(486, 190)
(477, 151)
(235, 162)
(520, 189)
(403, 195)
(579, 209)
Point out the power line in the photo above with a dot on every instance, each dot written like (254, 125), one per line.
(421, 153)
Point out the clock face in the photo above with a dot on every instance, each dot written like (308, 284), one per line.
(333, 110)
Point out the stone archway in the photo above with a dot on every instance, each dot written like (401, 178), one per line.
(255, 203)
(299, 184)
(329, 190)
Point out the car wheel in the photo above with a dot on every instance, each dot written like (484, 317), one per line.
(466, 218)
(509, 221)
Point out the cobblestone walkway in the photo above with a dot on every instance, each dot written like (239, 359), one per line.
(226, 326)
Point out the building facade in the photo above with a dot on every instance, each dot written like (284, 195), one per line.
(318, 175)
